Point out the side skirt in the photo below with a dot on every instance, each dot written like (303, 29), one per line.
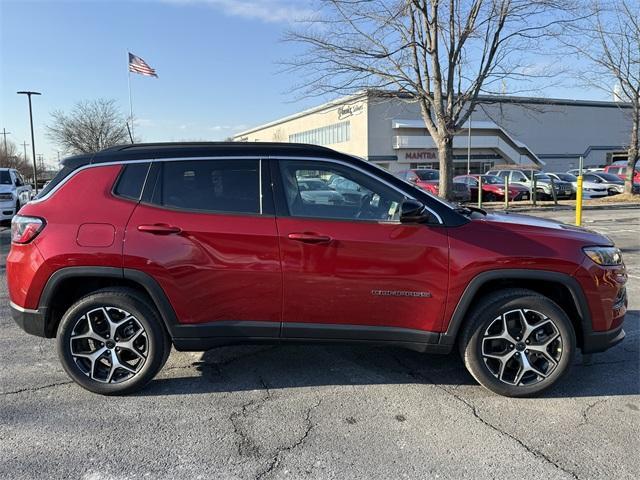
(205, 337)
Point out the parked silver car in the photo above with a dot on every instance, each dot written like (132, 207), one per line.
(613, 183)
(589, 189)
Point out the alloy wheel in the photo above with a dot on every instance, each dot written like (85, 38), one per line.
(522, 347)
(109, 345)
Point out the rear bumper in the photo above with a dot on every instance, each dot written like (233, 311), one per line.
(31, 321)
(595, 342)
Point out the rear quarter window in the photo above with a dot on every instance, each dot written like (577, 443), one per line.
(131, 180)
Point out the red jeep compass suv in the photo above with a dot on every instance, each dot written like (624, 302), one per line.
(137, 248)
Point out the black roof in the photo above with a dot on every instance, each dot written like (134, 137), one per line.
(141, 151)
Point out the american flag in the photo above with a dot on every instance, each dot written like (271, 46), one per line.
(138, 65)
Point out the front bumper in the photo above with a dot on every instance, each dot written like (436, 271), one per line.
(31, 321)
(7, 210)
(595, 342)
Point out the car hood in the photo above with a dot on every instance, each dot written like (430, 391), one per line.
(542, 226)
(6, 188)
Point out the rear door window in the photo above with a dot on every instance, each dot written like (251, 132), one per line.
(219, 186)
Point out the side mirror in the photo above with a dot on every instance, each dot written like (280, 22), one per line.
(412, 211)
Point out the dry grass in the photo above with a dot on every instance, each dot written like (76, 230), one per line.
(621, 198)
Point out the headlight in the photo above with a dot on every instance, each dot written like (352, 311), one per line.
(606, 256)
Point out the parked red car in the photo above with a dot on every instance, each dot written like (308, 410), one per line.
(205, 244)
(621, 171)
(492, 188)
(428, 180)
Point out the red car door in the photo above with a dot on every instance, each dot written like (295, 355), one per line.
(350, 268)
(204, 235)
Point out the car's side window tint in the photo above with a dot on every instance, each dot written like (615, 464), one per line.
(225, 186)
(325, 190)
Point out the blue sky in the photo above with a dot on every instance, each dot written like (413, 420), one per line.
(217, 62)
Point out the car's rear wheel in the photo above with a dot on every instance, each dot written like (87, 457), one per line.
(112, 341)
(518, 343)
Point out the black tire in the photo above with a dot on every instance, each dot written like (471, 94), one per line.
(18, 206)
(487, 313)
(155, 353)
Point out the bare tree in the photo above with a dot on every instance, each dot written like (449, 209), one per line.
(90, 127)
(439, 53)
(609, 39)
(13, 158)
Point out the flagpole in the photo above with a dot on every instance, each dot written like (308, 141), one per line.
(130, 99)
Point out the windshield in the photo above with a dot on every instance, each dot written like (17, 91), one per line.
(567, 177)
(427, 174)
(492, 180)
(5, 178)
(609, 177)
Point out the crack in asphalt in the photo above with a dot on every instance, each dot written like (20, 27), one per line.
(536, 453)
(585, 412)
(35, 389)
(275, 461)
(246, 446)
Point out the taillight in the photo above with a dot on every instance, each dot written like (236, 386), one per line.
(24, 229)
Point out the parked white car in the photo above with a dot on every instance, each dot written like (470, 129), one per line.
(14, 192)
(589, 189)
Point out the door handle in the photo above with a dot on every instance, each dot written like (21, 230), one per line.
(309, 237)
(159, 229)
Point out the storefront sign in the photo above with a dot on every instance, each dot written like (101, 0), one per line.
(349, 110)
(420, 155)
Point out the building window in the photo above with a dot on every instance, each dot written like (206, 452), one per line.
(336, 133)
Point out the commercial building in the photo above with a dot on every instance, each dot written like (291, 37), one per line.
(388, 129)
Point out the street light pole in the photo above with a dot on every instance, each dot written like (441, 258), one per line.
(33, 143)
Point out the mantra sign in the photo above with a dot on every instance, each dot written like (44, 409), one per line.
(420, 155)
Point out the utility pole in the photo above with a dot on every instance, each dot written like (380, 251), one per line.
(33, 142)
(25, 145)
(5, 133)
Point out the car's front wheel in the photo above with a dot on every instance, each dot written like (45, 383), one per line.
(518, 343)
(112, 341)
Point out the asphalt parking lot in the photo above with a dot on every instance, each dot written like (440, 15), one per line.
(338, 412)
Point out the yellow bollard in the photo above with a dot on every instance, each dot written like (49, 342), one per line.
(506, 193)
(579, 202)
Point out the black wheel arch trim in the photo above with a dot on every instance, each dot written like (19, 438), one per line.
(147, 282)
(464, 304)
